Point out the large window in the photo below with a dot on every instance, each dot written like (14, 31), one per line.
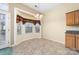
(28, 27)
(37, 28)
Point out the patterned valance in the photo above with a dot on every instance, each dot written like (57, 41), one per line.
(24, 20)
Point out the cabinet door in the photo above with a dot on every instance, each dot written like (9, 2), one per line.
(77, 17)
(77, 42)
(70, 41)
(70, 18)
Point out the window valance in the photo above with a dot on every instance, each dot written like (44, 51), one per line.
(24, 20)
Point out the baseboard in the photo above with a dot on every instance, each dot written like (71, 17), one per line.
(15, 44)
(54, 41)
(21, 42)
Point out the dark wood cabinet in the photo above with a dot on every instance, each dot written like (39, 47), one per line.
(72, 18)
(70, 41)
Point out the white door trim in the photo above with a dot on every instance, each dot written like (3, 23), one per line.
(15, 28)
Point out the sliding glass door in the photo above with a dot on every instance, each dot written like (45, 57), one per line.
(3, 29)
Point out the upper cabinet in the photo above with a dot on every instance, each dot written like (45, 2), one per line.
(72, 18)
(77, 17)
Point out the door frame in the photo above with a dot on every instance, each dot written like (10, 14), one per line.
(15, 28)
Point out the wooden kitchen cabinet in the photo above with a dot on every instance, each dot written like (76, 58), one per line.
(70, 40)
(77, 17)
(72, 18)
(77, 42)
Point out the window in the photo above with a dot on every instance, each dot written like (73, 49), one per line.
(19, 28)
(37, 28)
(28, 27)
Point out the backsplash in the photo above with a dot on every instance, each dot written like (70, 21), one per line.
(75, 28)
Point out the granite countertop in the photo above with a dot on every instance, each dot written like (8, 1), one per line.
(72, 32)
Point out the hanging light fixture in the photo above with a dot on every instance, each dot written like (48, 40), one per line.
(36, 5)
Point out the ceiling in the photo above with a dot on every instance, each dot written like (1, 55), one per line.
(42, 7)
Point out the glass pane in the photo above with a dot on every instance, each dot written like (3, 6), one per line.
(28, 28)
(37, 28)
(18, 28)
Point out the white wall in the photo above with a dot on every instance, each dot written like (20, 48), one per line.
(54, 22)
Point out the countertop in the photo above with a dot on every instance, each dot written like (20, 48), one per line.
(72, 32)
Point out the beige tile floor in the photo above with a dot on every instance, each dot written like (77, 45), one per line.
(42, 47)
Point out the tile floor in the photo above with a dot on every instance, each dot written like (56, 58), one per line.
(6, 51)
(38, 47)
(42, 47)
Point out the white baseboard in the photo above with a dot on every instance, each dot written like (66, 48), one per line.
(55, 41)
(20, 42)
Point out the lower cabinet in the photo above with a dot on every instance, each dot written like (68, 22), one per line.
(77, 42)
(72, 41)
